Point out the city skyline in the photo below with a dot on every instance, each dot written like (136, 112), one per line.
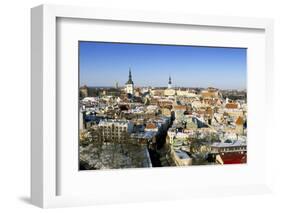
(102, 64)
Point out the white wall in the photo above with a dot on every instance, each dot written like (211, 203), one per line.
(15, 98)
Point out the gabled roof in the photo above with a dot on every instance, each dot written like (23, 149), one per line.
(239, 121)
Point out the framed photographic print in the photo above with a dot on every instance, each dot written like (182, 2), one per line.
(130, 106)
(154, 122)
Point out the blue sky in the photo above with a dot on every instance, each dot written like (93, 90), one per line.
(104, 64)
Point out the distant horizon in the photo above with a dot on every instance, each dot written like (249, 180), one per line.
(103, 64)
(175, 87)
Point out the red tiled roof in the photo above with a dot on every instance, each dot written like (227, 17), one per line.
(180, 107)
(150, 126)
(231, 106)
(239, 121)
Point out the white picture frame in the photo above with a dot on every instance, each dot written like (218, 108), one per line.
(44, 149)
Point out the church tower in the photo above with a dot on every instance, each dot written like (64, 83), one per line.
(170, 83)
(130, 84)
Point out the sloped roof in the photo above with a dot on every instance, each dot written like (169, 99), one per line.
(231, 106)
(239, 121)
(150, 126)
(180, 107)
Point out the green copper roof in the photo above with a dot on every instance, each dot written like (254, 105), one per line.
(130, 81)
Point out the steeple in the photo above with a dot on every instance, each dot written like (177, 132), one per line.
(130, 81)
(170, 83)
(130, 84)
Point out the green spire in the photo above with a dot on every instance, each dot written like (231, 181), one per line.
(130, 81)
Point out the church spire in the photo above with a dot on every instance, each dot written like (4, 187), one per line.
(130, 84)
(130, 75)
(130, 81)
(170, 83)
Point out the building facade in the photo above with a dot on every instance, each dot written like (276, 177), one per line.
(115, 131)
(84, 91)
